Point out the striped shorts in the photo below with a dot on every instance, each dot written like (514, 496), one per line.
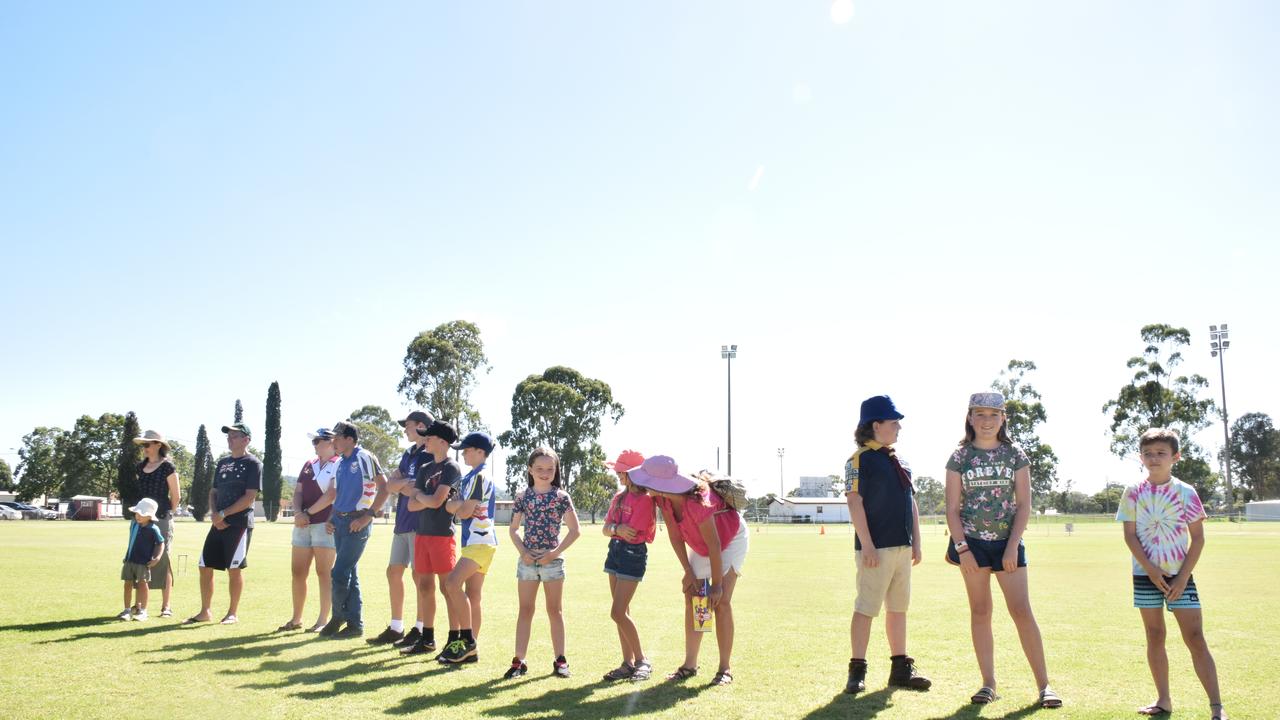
(1147, 595)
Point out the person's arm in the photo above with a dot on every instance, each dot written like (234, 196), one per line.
(1135, 546)
(688, 581)
(420, 500)
(464, 508)
(300, 517)
(159, 552)
(707, 529)
(517, 521)
(858, 516)
(175, 493)
(1022, 495)
(954, 491)
(917, 552)
(1179, 584)
(570, 518)
(379, 497)
(214, 516)
(244, 503)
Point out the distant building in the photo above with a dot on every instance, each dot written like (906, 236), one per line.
(812, 486)
(1262, 510)
(809, 510)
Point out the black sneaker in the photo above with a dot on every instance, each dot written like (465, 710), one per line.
(386, 637)
(903, 674)
(857, 677)
(348, 632)
(459, 651)
(517, 669)
(560, 668)
(419, 647)
(331, 627)
(409, 638)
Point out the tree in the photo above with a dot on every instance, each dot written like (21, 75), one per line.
(1158, 398)
(271, 462)
(1255, 455)
(127, 465)
(88, 455)
(931, 496)
(1108, 499)
(595, 486)
(6, 477)
(379, 433)
(201, 476)
(562, 409)
(38, 471)
(1023, 412)
(239, 412)
(440, 368)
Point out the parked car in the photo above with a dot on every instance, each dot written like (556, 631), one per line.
(8, 513)
(31, 511)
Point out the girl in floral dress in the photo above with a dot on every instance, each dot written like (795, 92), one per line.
(988, 506)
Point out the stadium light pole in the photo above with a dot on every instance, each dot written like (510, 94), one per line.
(1218, 344)
(781, 490)
(729, 352)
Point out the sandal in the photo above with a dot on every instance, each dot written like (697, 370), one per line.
(229, 620)
(291, 625)
(622, 672)
(683, 673)
(642, 671)
(1049, 698)
(196, 619)
(1218, 714)
(1154, 710)
(723, 677)
(984, 695)
(166, 612)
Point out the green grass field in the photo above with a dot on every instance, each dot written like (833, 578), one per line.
(62, 656)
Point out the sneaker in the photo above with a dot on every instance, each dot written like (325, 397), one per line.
(642, 672)
(421, 646)
(560, 668)
(409, 638)
(857, 677)
(125, 615)
(166, 612)
(517, 669)
(459, 651)
(331, 627)
(349, 632)
(386, 637)
(622, 672)
(140, 615)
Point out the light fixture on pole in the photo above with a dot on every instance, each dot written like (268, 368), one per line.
(729, 352)
(781, 489)
(1218, 344)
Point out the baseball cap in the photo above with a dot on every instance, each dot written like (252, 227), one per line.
(442, 430)
(417, 416)
(238, 427)
(627, 461)
(479, 440)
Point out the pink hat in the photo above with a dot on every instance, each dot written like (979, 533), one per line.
(627, 461)
(662, 474)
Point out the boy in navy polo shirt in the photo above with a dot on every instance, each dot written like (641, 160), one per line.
(146, 545)
(887, 543)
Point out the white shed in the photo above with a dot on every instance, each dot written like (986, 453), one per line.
(809, 510)
(1262, 510)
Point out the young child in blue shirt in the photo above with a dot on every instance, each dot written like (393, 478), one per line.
(146, 546)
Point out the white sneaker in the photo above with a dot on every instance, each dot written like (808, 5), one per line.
(140, 615)
(124, 615)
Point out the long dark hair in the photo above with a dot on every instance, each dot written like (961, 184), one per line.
(1002, 434)
(543, 451)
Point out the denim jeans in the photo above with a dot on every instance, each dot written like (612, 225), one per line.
(346, 584)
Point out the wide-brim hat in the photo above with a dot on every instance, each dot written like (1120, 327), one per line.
(627, 461)
(151, 436)
(442, 430)
(146, 507)
(661, 473)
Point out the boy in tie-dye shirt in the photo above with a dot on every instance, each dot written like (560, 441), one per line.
(1164, 529)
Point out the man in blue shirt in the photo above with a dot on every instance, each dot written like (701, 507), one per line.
(359, 488)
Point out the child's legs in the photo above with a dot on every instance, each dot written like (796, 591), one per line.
(128, 594)
(628, 637)
(427, 598)
(897, 598)
(553, 594)
(324, 558)
(860, 634)
(724, 619)
(300, 567)
(455, 596)
(1191, 623)
(143, 588)
(1157, 659)
(235, 581)
(475, 591)
(528, 592)
(1017, 597)
(977, 586)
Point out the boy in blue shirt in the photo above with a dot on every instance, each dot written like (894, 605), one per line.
(146, 546)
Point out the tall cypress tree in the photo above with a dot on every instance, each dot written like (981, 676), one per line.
(239, 412)
(200, 476)
(127, 468)
(272, 479)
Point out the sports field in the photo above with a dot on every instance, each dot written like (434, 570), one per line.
(61, 654)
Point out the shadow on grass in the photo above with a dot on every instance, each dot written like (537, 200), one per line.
(558, 703)
(126, 630)
(342, 674)
(239, 647)
(969, 710)
(69, 624)
(863, 705)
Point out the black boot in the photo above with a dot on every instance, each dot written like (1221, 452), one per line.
(903, 674)
(857, 677)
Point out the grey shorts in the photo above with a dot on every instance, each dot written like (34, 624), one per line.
(402, 549)
(312, 536)
(549, 572)
(135, 573)
(162, 568)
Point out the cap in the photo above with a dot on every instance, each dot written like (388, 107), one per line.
(442, 430)
(878, 408)
(421, 416)
(627, 461)
(238, 427)
(476, 440)
(993, 400)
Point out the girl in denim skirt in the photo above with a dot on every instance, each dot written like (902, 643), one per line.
(630, 524)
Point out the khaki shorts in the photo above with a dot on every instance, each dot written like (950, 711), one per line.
(888, 584)
(135, 573)
(481, 555)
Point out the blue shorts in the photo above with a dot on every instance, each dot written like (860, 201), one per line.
(988, 553)
(538, 572)
(625, 560)
(1147, 596)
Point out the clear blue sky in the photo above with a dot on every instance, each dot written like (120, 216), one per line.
(898, 203)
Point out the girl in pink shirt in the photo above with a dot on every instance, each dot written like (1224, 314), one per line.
(630, 524)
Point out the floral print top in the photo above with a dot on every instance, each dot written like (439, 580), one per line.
(987, 499)
(1161, 514)
(542, 513)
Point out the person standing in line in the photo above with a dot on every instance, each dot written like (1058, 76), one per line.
(630, 524)
(146, 545)
(158, 479)
(434, 551)
(474, 504)
(237, 479)
(312, 539)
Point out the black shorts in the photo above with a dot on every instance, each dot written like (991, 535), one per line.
(988, 553)
(226, 549)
